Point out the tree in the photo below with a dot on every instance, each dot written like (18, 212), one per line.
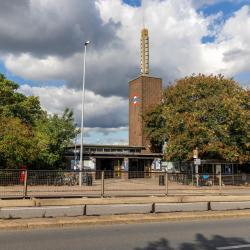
(54, 134)
(208, 112)
(17, 143)
(27, 133)
(14, 104)
(155, 128)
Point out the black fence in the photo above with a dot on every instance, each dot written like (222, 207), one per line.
(48, 183)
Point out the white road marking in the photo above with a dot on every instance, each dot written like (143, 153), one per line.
(233, 247)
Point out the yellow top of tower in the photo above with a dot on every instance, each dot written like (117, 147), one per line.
(144, 52)
(144, 32)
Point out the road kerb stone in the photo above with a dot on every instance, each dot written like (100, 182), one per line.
(118, 209)
(118, 219)
(60, 211)
(22, 212)
(180, 207)
(220, 206)
(40, 212)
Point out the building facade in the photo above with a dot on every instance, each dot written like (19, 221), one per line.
(113, 159)
(145, 92)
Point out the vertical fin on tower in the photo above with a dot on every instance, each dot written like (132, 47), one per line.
(144, 52)
(144, 45)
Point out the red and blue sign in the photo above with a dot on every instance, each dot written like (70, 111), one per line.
(135, 99)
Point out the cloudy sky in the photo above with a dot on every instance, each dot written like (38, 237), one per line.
(41, 48)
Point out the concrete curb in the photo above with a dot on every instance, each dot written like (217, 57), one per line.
(22, 212)
(180, 207)
(39, 208)
(221, 206)
(118, 209)
(41, 212)
(122, 200)
(24, 224)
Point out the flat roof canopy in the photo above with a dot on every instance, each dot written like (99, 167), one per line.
(107, 146)
(111, 151)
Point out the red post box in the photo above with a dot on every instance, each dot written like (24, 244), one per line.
(22, 174)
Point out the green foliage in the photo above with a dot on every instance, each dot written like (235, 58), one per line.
(54, 134)
(155, 128)
(14, 104)
(17, 143)
(27, 133)
(208, 112)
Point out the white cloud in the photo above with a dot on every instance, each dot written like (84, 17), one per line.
(42, 69)
(99, 111)
(234, 40)
(104, 131)
(176, 49)
(201, 3)
(97, 135)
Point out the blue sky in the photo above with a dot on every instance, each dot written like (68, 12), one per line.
(226, 7)
(134, 3)
(46, 59)
(10, 75)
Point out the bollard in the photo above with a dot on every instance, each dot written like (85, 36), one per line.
(102, 184)
(161, 180)
(25, 184)
(197, 180)
(166, 183)
(197, 175)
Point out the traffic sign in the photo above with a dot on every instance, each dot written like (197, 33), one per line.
(197, 161)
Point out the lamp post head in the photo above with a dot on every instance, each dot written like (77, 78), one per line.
(86, 43)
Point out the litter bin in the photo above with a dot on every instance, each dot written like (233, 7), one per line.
(161, 180)
(89, 180)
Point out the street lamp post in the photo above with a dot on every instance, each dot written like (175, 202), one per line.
(83, 96)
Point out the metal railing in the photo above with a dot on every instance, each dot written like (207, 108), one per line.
(50, 183)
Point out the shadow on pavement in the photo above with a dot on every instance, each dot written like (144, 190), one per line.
(201, 243)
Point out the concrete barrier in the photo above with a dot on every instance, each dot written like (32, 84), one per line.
(220, 206)
(113, 209)
(67, 211)
(118, 209)
(22, 212)
(180, 207)
(121, 200)
(40, 212)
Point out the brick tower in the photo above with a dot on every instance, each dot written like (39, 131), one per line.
(145, 92)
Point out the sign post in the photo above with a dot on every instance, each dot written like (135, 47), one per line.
(197, 162)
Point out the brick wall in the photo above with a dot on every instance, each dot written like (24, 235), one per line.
(149, 92)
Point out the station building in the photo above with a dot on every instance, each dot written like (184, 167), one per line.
(145, 92)
(115, 158)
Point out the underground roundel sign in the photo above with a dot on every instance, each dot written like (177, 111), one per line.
(135, 99)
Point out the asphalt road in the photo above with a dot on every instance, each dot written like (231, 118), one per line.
(205, 234)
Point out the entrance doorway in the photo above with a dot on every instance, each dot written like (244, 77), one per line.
(112, 167)
(136, 168)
